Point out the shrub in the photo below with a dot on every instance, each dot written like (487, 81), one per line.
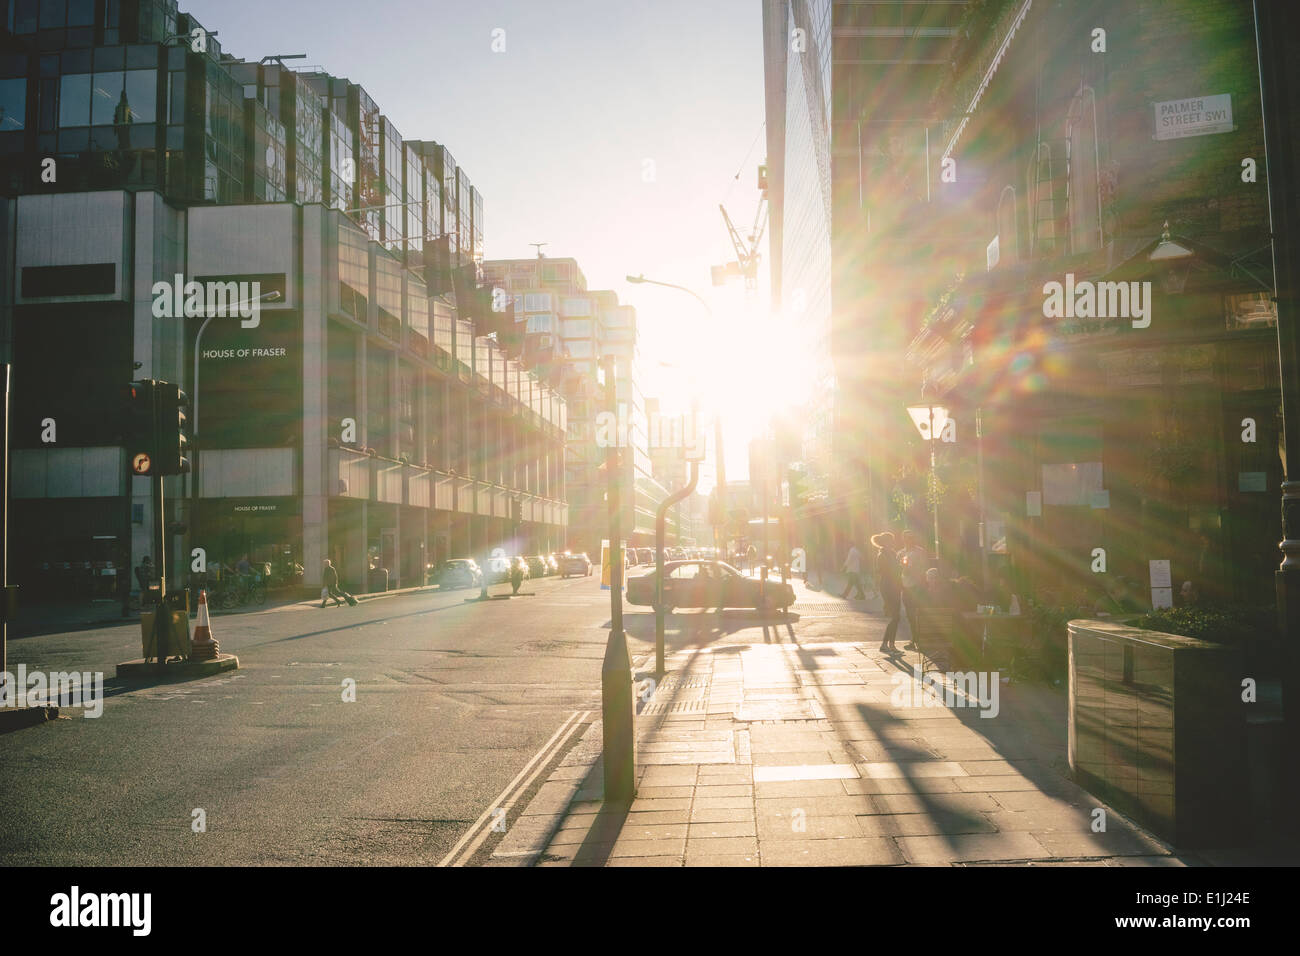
(1222, 625)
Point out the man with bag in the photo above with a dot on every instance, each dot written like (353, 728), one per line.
(330, 589)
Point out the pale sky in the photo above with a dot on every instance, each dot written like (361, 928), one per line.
(610, 129)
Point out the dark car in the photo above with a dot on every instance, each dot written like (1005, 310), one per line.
(576, 564)
(536, 566)
(520, 563)
(460, 573)
(552, 564)
(706, 584)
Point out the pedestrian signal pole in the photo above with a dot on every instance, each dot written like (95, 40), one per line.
(156, 447)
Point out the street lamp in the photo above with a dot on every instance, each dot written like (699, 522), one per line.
(720, 533)
(932, 422)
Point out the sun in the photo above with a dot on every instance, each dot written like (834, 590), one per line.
(752, 365)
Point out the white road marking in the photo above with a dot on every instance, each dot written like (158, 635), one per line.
(506, 798)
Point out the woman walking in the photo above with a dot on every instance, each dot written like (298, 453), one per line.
(889, 584)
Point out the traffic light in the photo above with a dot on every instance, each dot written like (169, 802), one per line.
(171, 444)
(138, 427)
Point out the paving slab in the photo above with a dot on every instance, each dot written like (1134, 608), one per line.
(858, 851)
(967, 847)
(795, 755)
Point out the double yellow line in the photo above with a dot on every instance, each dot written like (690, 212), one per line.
(475, 836)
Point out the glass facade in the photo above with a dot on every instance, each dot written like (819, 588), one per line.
(268, 154)
(342, 163)
(223, 136)
(393, 161)
(363, 117)
(413, 183)
(477, 227)
(354, 273)
(806, 214)
(450, 228)
(388, 294)
(307, 170)
(464, 213)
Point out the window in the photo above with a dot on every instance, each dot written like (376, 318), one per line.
(1250, 310)
(141, 89)
(577, 328)
(81, 13)
(575, 306)
(54, 13)
(577, 348)
(685, 572)
(74, 100)
(22, 16)
(537, 302)
(13, 105)
(542, 322)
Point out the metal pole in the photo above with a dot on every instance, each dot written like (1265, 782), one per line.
(661, 515)
(4, 533)
(764, 489)
(1276, 24)
(162, 614)
(934, 484)
(722, 489)
(983, 527)
(193, 477)
(618, 709)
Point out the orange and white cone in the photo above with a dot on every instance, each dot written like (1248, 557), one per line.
(202, 646)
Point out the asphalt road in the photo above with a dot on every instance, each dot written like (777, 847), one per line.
(453, 700)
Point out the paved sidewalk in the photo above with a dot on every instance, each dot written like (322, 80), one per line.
(809, 746)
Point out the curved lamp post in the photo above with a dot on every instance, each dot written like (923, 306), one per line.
(720, 535)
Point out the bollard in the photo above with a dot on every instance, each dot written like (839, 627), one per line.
(618, 702)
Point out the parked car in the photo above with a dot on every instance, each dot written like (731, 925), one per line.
(706, 584)
(536, 565)
(521, 563)
(497, 568)
(575, 564)
(459, 573)
(552, 564)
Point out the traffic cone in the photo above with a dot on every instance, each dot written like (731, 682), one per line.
(202, 646)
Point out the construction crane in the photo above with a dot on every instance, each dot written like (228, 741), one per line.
(747, 250)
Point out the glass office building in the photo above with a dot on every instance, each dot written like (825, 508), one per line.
(367, 415)
(798, 80)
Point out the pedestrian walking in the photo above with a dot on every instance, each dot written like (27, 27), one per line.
(889, 584)
(853, 569)
(913, 562)
(330, 586)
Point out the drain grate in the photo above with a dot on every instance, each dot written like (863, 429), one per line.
(676, 707)
(672, 683)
